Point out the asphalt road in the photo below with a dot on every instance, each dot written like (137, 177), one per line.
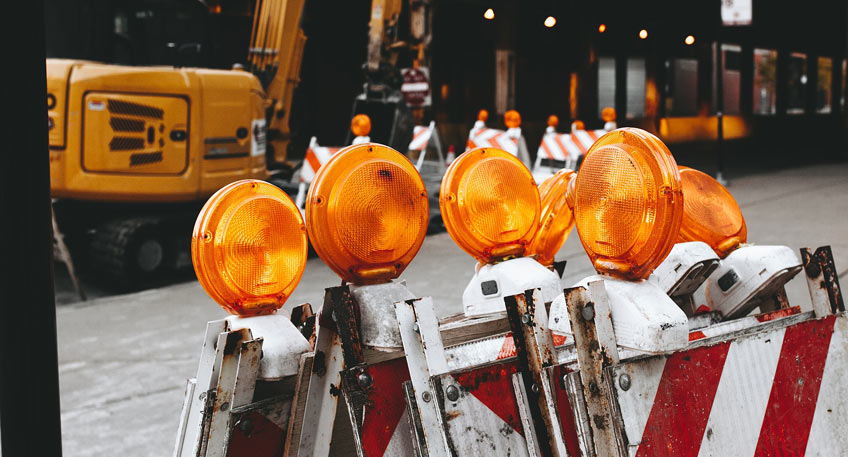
(124, 359)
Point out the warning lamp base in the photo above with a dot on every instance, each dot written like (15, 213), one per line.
(378, 322)
(282, 343)
(748, 276)
(687, 266)
(644, 317)
(492, 282)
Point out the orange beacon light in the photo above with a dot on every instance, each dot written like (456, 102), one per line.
(249, 247)
(628, 203)
(710, 213)
(367, 213)
(556, 220)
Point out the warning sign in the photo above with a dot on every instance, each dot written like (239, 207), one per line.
(416, 87)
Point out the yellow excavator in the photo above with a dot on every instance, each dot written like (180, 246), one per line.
(135, 151)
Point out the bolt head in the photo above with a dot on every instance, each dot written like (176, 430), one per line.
(452, 393)
(364, 379)
(415, 328)
(588, 312)
(426, 396)
(593, 387)
(624, 381)
(525, 318)
(535, 388)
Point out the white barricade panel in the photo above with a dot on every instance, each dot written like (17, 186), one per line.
(493, 138)
(775, 392)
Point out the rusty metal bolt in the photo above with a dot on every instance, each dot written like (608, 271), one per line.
(453, 393)
(225, 406)
(525, 318)
(813, 268)
(593, 387)
(535, 388)
(588, 312)
(624, 381)
(426, 396)
(415, 328)
(364, 379)
(246, 426)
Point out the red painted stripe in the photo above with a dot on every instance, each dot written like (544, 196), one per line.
(578, 143)
(566, 414)
(558, 141)
(419, 135)
(493, 141)
(385, 405)
(683, 402)
(778, 314)
(792, 403)
(696, 335)
(313, 161)
(507, 349)
(547, 149)
(592, 135)
(492, 385)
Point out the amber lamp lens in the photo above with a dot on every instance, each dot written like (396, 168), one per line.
(578, 125)
(490, 204)
(628, 203)
(608, 114)
(553, 120)
(249, 247)
(512, 119)
(483, 115)
(360, 125)
(710, 214)
(367, 213)
(556, 220)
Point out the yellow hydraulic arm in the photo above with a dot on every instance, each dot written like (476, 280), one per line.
(276, 51)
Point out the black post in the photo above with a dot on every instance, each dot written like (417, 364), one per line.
(29, 375)
(719, 105)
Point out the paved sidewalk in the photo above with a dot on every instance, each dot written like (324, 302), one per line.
(124, 359)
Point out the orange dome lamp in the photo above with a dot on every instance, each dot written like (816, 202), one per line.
(490, 204)
(360, 125)
(608, 114)
(367, 213)
(710, 213)
(553, 121)
(628, 203)
(512, 119)
(556, 220)
(249, 247)
(483, 115)
(578, 125)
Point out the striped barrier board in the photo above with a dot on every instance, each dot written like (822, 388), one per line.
(421, 135)
(494, 138)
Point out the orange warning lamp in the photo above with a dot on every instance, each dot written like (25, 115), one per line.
(628, 203)
(249, 247)
(578, 125)
(512, 119)
(710, 214)
(360, 125)
(608, 114)
(490, 204)
(483, 115)
(556, 220)
(553, 121)
(367, 213)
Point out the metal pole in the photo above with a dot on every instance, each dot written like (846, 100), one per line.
(29, 376)
(720, 105)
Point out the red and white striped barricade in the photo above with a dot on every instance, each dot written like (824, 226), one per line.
(425, 138)
(562, 150)
(509, 140)
(315, 157)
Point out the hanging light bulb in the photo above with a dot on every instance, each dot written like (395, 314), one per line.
(643, 34)
(550, 21)
(689, 40)
(602, 28)
(489, 14)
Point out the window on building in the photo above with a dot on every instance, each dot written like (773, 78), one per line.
(824, 83)
(765, 81)
(796, 83)
(682, 87)
(606, 83)
(731, 78)
(635, 87)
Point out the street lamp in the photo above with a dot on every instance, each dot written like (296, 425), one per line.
(550, 21)
(643, 34)
(689, 40)
(489, 14)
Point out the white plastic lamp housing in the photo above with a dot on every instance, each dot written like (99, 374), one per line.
(644, 317)
(282, 343)
(687, 266)
(748, 275)
(491, 283)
